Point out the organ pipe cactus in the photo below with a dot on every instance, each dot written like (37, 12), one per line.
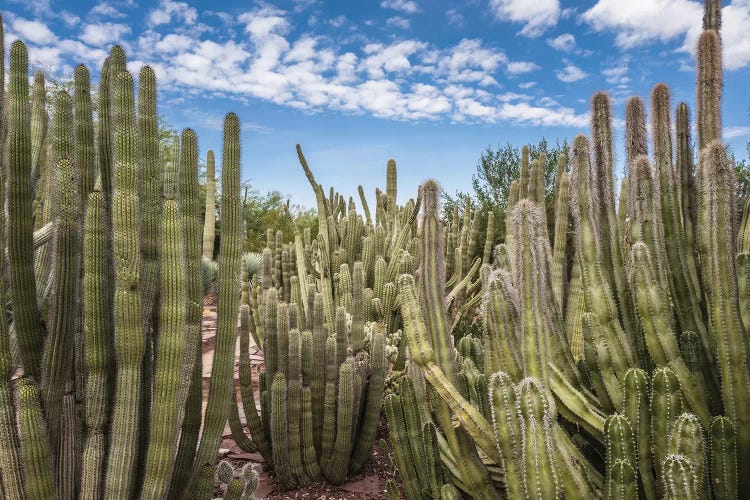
(656, 342)
(209, 227)
(80, 423)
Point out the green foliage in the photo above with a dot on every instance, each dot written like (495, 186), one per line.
(273, 211)
(495, 171)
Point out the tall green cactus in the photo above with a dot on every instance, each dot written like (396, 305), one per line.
(17, 159)
(209, 226)
(222, 372)
(96, 347)
(129, 340)
(169, 356)
(84, 425)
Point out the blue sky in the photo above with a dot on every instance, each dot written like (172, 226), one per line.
(430, 83)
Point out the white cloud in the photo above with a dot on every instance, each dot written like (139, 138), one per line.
(407, 6)
(104, 33)
(542, 116)
(174, 43)
(470, 61)
(735, 36)
(33, 31)
(398, 22)
(570, 73)
(106, 9)
(565, 42)
(638, 21)
(521, 67)
(526, 85)
(392, 58)
(734, 132)
(264, 22)
(617, 75)
(266, 59)
(338, 21)
(455, 17)
(69, 19)
(167, 9)
(537, 15)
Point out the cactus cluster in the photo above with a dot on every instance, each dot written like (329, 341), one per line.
(320, 308)
(614, 367)
(100, 393)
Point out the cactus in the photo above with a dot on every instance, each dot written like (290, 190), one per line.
(128, 338)
(85, 426)
(209, 233)
(17, 159)
(37, 456)
(167, 413)
(229, 270)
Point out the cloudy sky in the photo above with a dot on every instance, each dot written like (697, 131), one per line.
(430, 83)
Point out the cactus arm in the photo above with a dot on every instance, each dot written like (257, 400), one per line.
(184, 182)
(37, 455)
(731, 338)
(209, 226)
(11, 471)
(666, 405)
(597, 290)
(166, 419)
(222, 379)
(611, 258)
(96, 348)
(57, 370)
(128, 339)
(709, 88)
(575, 405)
(309, 456)
(39, 137)
(340, 456)
(374, 402)
(559, 256)
(678, 478)
(402, 451)
(19, 213)
(723, 458)
(636, 409)
(280, 431)
(365, 206)
(150, 190)
(254, 423)
(85, 151)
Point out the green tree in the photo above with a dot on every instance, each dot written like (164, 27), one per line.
(273, 211)
(742, 172)
(495, 171)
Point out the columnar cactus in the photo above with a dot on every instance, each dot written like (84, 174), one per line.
(209, 226)
(80, 423)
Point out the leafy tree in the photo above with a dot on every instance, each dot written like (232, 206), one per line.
(273, 211)
(742, 172)
(495, 171)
